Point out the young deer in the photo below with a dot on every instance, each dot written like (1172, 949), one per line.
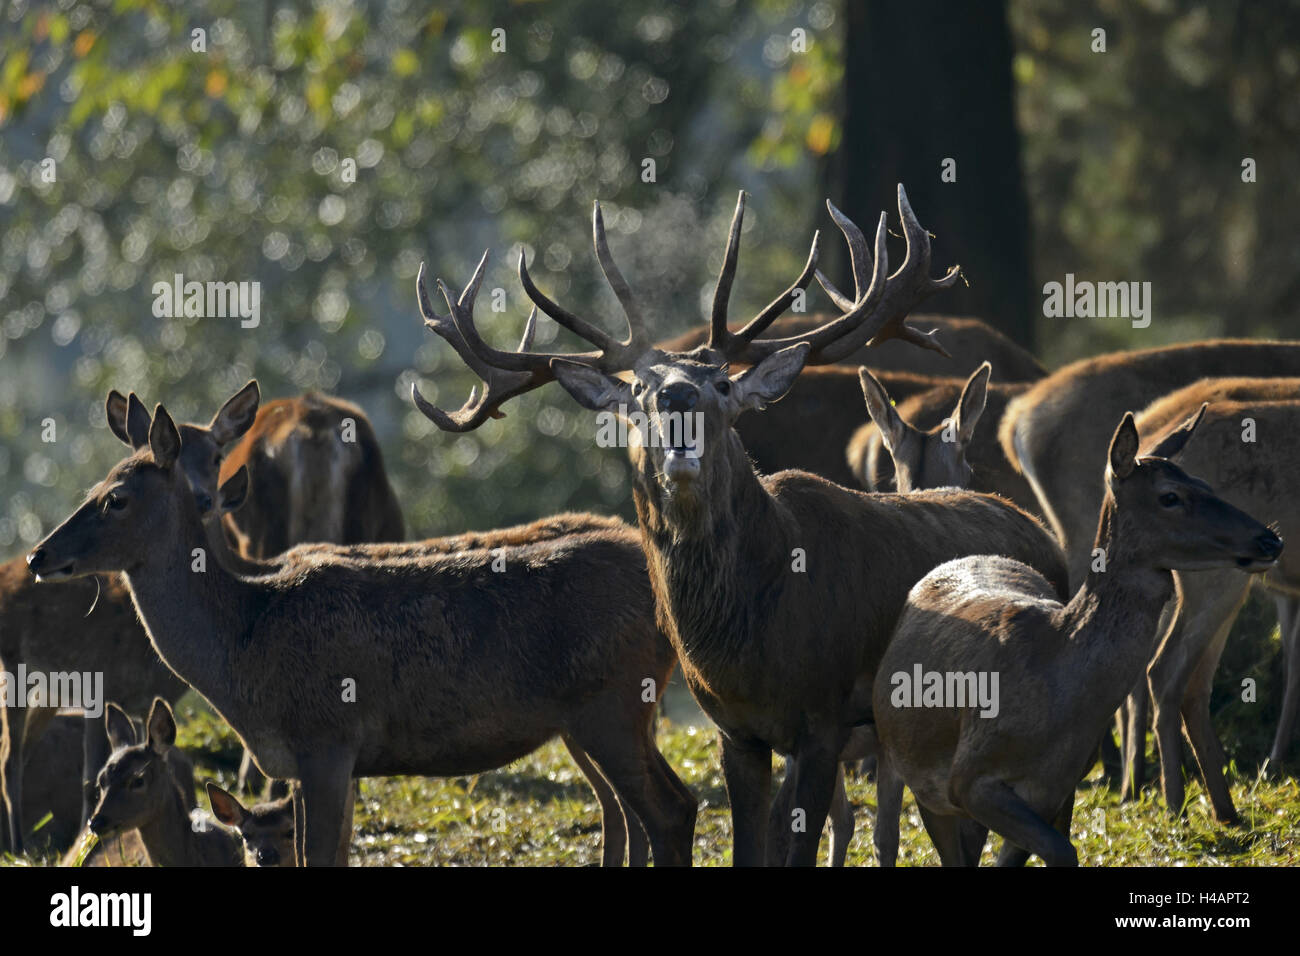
(918, 429)
(773, 590)
(1262, 479)
(139, 790)
(1062, 668)
(437, 664)
(266, 829)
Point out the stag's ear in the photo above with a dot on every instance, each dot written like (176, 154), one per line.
(162, 725)
(971, 404)
(236, 416)
(1124, 447)
(887, 420)
(592, 388)
(137, 422)
(771, 378)
(1173, 443)
(164, 439)
(233, 492)
(115, 411)
(121, 733)
(225, 807)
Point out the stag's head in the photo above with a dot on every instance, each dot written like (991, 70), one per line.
(136, 783)
(683, 404)
(1174, 520)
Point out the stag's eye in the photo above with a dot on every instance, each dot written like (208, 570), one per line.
(137, 782)
(116, 501)
(723, 386)
(1169, 500)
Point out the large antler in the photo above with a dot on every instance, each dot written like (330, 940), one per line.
(507, 374)
(877, 312)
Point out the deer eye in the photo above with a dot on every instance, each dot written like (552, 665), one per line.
(1169, 500)
(137, 782)
(116, 501)
(723, 386)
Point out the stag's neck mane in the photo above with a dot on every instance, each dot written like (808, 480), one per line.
(709, 552)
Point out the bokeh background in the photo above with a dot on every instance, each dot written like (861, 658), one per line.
(226, 165)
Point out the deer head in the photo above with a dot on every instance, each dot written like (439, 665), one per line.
(265, 828)
(934, 458)
(1172, 520)
(684, 403)
(136, 783)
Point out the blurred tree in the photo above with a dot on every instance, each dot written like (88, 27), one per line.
(928, 102)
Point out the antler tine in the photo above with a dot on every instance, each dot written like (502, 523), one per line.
(718, 334)
(857, 257)
(563, 316)
(758, 325)
(635, 343)
(499, 384)
(840, 300)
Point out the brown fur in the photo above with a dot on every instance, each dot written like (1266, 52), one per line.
(1063, 668)
(421, 638)
(1262, 479)
(307, 484)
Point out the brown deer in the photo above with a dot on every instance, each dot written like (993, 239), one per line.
(141, 789)
(1258, 475)
(1061, 669)
(919, 431)
(778, 652)
(316, 474)
(443, 664)
(1055, 433)
(266, 829)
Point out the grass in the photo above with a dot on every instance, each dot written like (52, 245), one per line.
(539, 810)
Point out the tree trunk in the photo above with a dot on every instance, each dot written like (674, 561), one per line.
(926, 81)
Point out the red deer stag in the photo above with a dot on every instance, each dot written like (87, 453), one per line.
(780, 592)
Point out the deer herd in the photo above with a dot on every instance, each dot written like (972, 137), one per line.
(1057, 538)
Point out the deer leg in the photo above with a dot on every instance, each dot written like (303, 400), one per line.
(614, 829)
(1001, 809)
(1193, 645)
(945, 833)
(778, 819)
(1200, 730)
(26, 726)
(889, 808)
(250, 779)
(1136, 712)
(841, 816)
(642, 782)
(10, 782)
(1289, 627)
(747, 771)
(345, 832)
(816, 767)
(326, 785)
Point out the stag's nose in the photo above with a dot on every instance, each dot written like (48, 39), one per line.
(678, 397)
(36, 560)
(204, 501)
(97, 823)
(268, 858)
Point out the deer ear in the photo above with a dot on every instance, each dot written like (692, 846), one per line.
(121, 733)
(115, 411)
(971, 404)
(161, 725)
(232, 494)
(888, 422)
(137, 422)
(225, 807)
(164, 439)
(1123, 448)
(592, 388)
(1173, 443)
(770, 379)
(237, 415)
